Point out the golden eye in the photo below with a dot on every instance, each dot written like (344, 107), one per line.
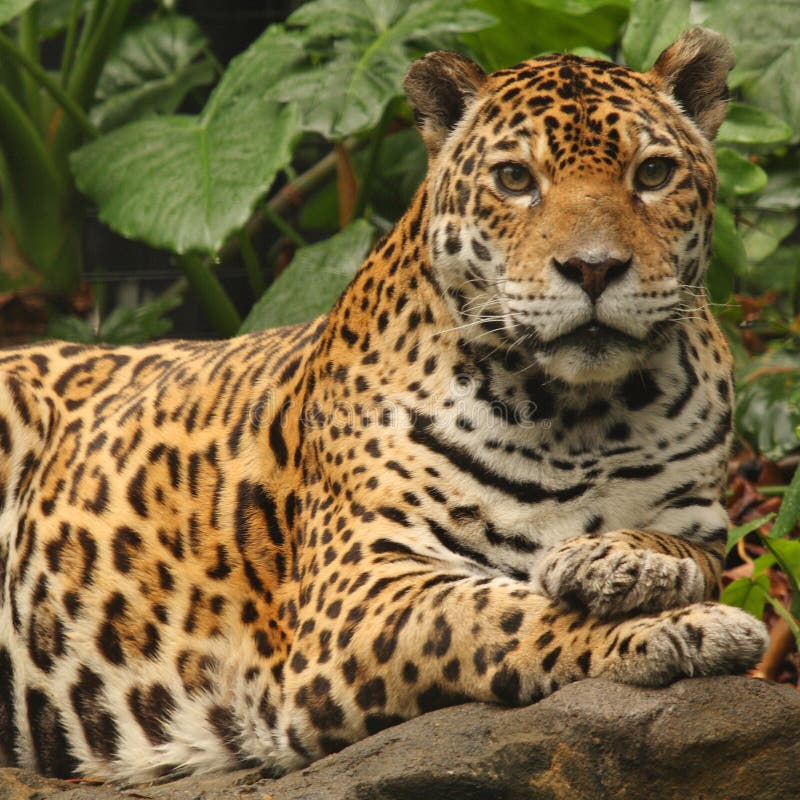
(514, 178)
(653, 173)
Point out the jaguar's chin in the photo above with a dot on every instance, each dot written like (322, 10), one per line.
(592, 353)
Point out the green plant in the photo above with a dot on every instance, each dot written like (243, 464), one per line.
(753, 592)
(107, 74)
(190, 183)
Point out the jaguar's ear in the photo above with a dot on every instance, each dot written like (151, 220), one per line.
(693, 70)
(439, 87)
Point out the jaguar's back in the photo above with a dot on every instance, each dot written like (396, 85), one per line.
(495, 467)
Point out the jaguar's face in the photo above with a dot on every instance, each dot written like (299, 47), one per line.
(571, 215)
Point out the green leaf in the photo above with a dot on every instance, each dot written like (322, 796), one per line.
(719, 281)
(54, 15)
(789, 514)
(576, 7)
(328, 267)
(788, 618)
(737, 174)
(727, 242)
(778, 272)
(746, 124)
(363, 50)
(749, 594)
(787, 553)
(152, 69)
(763, 563)
(589, 52)
(763, 231)
(766, 40)
(526, 28)
(12, 8)
(185, 183)
(142, 323)
(740, 531)
(70, 328)
(124, 325)
(653, 25)
(768, 404)
(782, 192)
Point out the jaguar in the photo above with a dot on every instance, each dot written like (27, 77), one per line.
(495, 467)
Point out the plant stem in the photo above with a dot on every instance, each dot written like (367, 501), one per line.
(96, 10)
(283, 226)
(101, 32)
(34, 199)
(43, 79)
(29, 48)
(773, 491)
(215, 301)
(11, 79)
(70, 42)
(251, 265)
(789, 513)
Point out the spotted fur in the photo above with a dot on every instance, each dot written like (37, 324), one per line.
(495, 467)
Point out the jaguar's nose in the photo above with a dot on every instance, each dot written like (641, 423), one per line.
(593, 276)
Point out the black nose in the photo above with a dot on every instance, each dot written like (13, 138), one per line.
(593, 276)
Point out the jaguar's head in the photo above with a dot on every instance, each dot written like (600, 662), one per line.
(571, 200)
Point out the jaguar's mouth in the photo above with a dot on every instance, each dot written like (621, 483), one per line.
(596, 338)
(592, 352)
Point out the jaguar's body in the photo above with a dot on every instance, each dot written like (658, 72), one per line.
(495, 467)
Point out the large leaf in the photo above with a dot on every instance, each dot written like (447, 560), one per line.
(577, 7)
(529, 27)
(789, 515)
(728, 245)
(778, 272)
(746, 124)
(768, 404)
(763, 231)
(737, 174)
(363, 49)
(740, 531)
(749, 594)
(186, 182)
(317, 275)
(54, 15)
(782, 192)
(11, 8)
(152, 69)
(728, 259)
(787, 552)
(652, 26)
(766, 39)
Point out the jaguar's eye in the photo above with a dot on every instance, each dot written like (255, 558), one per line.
(653, 173)
(514, 178)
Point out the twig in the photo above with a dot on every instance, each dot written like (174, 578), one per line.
(781, 643)
(288, 197)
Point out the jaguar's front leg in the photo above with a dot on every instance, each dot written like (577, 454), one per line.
(384, 633)
(626, 571)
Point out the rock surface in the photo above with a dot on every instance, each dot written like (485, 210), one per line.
(715, 738)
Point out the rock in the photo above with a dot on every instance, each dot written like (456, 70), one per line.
(731, 738)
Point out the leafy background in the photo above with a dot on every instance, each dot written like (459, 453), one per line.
(120, 123)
